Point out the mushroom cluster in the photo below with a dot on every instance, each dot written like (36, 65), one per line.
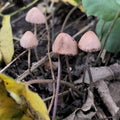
(29, 40)
(64, 44)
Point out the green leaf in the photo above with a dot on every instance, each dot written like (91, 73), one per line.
(113, 42)
(78, 1)
(6, 40)
(103, 9)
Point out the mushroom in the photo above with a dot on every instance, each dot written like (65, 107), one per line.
(28, 41)
(35, 16)
(63, 45)
(89, 42)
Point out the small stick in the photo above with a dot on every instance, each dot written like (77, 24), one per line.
(21, 9)
(104, 92)
(33, 67)
(109, 73)
(8, 65)
(50, 61)
(60, 94)
(4, 7)
(47, 81)
(84, 29)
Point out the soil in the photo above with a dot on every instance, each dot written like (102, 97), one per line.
(69, 102)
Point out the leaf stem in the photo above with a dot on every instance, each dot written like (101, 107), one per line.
(108, 34)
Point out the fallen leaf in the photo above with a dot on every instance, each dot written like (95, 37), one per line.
(72, 2)
(18, 102)
(87, 111)
(6, 40)
(75, 3)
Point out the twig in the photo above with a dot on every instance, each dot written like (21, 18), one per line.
(84, 29)
(33, 67)
(68, 15)
(8, 65)
(102, 73)
(60, 94)
(21, 9)
(50, 61)
(47, 81)
(106, 97)
(4, 7)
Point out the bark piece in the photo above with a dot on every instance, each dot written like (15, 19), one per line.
(102, 73)
(106, 97)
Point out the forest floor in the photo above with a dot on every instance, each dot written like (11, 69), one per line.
(90, 102)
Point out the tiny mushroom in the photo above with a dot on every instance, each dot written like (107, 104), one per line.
(35, 16)
(64, 44)
(28, 41)
(89, 42)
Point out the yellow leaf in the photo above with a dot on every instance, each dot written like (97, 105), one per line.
(6, 40)
(18, 102)
(8, 108)
(74, 3)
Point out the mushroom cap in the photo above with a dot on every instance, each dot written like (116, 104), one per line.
(64, 44)
(35, 16)
(89, 42)
(28, 40)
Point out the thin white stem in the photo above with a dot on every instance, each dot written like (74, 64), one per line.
(29, 54)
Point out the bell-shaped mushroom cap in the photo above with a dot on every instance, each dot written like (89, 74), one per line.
(65, 45)
(35, 16)
(28, 40)
(89, 42)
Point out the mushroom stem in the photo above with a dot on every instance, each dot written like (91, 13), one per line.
(35, 29)
(29, 63)
(68, 68)
(57, 89)
(29, 54)
(35, 49)
(87, 68)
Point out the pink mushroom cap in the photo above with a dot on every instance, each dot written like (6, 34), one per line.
(64, 44)
(35, 16)
(89, 42)
(28, 40)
